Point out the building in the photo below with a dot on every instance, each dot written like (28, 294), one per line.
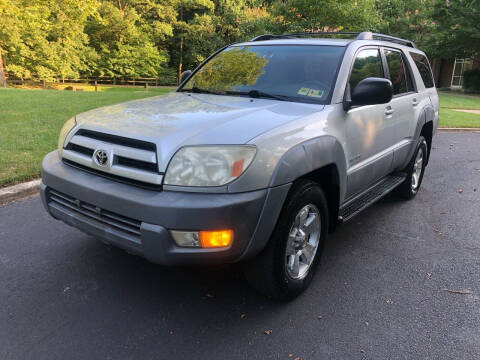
(448, 73)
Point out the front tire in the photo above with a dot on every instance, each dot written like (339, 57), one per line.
(287, 265)
(415, 170)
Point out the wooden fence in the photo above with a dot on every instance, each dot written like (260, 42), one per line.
(145, 82)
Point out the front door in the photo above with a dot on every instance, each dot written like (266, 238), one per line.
(369, 129)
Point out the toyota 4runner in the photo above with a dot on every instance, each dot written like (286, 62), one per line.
(260, 153)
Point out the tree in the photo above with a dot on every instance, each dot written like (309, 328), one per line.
(193, 16)
(459, 28)
(45, 38)
(125, 35)
(327, 15)
(410, 19)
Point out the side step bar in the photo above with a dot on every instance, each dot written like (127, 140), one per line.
(376, 192)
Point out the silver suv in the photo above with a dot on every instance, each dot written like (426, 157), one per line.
(260, 153)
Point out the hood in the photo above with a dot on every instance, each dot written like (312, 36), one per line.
(177, 119)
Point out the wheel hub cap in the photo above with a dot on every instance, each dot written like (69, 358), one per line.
(303, 240)
(417, 170)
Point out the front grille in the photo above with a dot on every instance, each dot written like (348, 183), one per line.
(130, 161)
(111, 219)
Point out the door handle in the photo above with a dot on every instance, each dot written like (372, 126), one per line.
(389, 111)
(414, 102)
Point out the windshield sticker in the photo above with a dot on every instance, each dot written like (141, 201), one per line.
(303, 91)
(315, 93)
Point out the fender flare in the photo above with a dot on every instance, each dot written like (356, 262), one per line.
(427, 115)
(309, 156)
(300, 160)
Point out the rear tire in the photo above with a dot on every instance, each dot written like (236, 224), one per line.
(287, 265)
(415, 170)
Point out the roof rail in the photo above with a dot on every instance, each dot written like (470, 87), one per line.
(366, 35)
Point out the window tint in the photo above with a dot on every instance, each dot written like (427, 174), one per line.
(396, 69)
(367, 64)
(424, 68)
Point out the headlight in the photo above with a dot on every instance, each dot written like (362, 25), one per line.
(67, 127)
(208, 165)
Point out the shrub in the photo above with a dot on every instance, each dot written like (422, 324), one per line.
(471, 80)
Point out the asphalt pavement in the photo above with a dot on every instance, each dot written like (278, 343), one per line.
(400, 281)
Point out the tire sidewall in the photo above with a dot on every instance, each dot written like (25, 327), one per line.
(311, 194)
(422, 145)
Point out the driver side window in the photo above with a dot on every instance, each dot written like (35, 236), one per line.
(368, 63)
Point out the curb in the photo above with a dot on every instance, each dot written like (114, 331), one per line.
(459, 129)
(18, 192)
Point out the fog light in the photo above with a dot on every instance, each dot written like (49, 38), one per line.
(217, 238)
(204, 239)
(186, 238)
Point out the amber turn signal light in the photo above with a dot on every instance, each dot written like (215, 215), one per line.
(216, 238)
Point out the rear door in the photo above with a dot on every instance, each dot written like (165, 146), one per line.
(403, 110)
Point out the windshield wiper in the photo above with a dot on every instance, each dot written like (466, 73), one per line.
(260, 94)
(198, 90)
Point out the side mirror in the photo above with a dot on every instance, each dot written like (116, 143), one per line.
(370, 91)
(185, 76)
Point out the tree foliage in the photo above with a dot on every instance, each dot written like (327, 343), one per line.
(229, 69)
(47, 39)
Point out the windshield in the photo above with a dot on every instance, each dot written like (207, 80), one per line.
(285, 72)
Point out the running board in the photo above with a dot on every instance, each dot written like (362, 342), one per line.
(376, 192)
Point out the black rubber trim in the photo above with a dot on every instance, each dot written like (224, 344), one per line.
(80, 149)
(117, 178)
(119, 140)
(137, 164)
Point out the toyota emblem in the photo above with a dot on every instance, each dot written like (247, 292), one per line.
(100, 157)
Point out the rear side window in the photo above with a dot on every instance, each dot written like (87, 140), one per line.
(423, 68)
(368, 63)
(397, 70)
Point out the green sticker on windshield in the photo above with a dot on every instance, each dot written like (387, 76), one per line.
(315, 93)
(303, 91)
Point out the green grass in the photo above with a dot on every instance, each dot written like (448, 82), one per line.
(30, 121)
(459, 119)
(456, 119)
(453, 101)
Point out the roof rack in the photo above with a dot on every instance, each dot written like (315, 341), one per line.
(366, 35)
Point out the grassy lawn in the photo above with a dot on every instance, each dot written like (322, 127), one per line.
(452, 118)
(30, 121)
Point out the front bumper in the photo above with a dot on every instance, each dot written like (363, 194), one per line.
(139, 220)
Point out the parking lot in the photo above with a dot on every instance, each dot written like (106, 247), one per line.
(400, 281)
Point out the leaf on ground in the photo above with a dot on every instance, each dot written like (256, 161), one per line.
(461, 292)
